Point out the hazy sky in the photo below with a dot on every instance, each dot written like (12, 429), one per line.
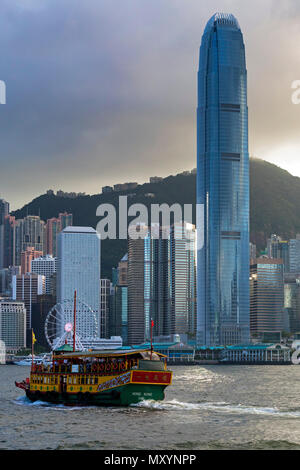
(105, 91)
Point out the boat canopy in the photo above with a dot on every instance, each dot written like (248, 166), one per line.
(144, 354)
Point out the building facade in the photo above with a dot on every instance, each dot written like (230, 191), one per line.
(13, 325)
(292, 302)
(29, 232)
(27, 257)
(162, 283)
(26, 288)
(266, 296)
(294, 255)
(78, 269)
(4, 212)
(222, 186)
(105, 293)
(45, 266)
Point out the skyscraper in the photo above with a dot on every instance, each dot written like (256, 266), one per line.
(78, 268)
(4, 211)
(29, 232)
(53, 227)
(45, 266)
(161, 283)
(26, 288)
(266, 296)
(222, 186)
(13, 324)
(27, 256)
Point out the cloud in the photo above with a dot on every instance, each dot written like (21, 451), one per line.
(103, 92)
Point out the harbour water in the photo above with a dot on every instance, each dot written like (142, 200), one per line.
(207, 407)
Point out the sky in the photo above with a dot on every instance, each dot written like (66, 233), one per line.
(103, 92)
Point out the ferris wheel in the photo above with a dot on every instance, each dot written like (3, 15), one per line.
(59, 324)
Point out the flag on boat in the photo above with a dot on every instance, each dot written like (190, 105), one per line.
(33, 338)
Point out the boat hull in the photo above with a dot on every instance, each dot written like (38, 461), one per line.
(125, 395)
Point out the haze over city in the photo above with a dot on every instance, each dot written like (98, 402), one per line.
(101, 93)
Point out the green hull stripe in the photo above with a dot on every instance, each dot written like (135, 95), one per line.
(119, 396)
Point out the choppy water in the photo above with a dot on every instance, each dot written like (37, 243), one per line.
(212, 407)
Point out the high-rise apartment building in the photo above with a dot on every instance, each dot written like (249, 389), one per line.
(27, 257)
(29, 232)
(9, 241)
(78, 268)
(52, 230)
(253, 251)
(53, 227)
(222, 186)
(279, 249)
(4, 212)
(65, 220)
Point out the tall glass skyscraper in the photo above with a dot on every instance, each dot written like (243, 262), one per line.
(222, 186)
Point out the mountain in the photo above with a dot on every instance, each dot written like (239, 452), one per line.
(274, 205)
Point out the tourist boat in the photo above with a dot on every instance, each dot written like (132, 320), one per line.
(114, 378)
(27, 360)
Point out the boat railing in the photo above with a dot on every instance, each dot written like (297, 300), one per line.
(98, 369)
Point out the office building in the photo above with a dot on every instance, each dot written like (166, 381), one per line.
(39, 312)
(26, 288)
(266, 296)
(222, 186)
(78, 269)
(292, 301)
(162, 283)
(294, 255)
(105, 291)
(13, 325)
(45, 266)
(279, 249)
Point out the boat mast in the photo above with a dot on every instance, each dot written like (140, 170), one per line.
(152, 324)
(74, 325)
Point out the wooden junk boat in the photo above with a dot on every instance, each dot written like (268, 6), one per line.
(115, 377)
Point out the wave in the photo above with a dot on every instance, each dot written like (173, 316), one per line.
(219, 407)
(175, 405)
(39, 403)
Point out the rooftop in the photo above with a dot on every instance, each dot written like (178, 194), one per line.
(222, 19)
(72, 229)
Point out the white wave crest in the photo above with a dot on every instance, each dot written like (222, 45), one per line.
(219, 407)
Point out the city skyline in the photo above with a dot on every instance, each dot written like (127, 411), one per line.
(125, 98)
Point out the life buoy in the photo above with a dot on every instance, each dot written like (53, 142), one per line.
(115, 366)
(108, 367)
(101, 366)
(123, 365)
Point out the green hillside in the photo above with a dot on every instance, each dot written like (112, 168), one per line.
(274, 205)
